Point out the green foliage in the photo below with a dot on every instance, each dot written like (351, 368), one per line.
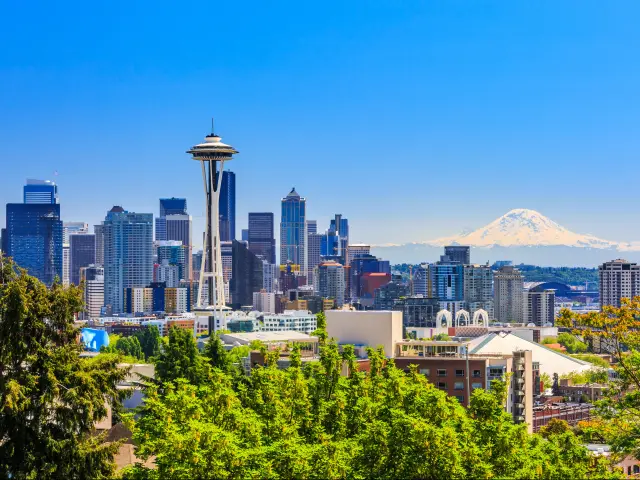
(549, 340)
(313, 422)
(149, 338)
(594, 359)
(180, 358)
(571, 343)
(546, 381)
(217, 355)
(442, 337)
(50, 398)
(321, 331)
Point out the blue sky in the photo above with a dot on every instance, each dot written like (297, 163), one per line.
(413, 119)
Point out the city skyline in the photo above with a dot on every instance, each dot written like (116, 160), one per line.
(531, 119)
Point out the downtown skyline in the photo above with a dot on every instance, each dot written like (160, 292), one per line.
(482, 119)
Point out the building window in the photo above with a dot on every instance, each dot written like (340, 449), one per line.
(425, 371)
(459, 373)
(476, 385)
(460, 398)
(442, 385)
(477, 373)
(442, 372)
(458, 386)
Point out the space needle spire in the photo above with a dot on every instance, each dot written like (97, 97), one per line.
(212, 154)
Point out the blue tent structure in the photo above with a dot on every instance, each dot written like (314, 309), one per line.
(94, 339)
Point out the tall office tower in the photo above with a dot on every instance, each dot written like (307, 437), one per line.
(128, 254)
(447, 279)
(539, 305)
(212, 154)
(246, 277)
(40, 192)
(508, 287)
(356, 250)
(312, 226)
(458, 253)
(421, 283)
(66, 275)
(292, 230)
(228, 207)
(314, 244)
(340, 226)
(173, 253)
(329, 282)
(3, 239)
(618, 279)
(34, 239)
(336, 239)
(245, 235)
(99, 233)
(82, 253)
(261, 239)
(93, 278)
(269, 276)
(173, 206)
(72, 228)
(478, 288)
(227, 263)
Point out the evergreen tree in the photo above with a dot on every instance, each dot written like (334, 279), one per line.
(149, 338)
(180, 358)
(50, 398)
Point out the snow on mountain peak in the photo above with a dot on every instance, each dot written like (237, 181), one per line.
(524, 227)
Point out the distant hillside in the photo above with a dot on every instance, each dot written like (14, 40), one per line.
(532, 273)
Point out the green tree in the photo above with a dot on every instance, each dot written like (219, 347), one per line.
(50, 398)
(217, 355)
(571, 343)
(442, 337)
(180, 358)
(149, 338)
(321, 330)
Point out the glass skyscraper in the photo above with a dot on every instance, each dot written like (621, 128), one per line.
(128, 254)
(228, 207)
(447, 280)
(292, 230)
(261, 238)
(40, 191)
(34, 238)
(173, 206)
(82, 253)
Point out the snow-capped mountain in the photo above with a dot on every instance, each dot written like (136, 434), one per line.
(523, 236)
(522, 227)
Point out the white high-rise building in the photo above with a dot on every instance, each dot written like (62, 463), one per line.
(66, 254)
(73, 228)
(264, 301)
(618, 279)
(508, 286)
(93, 278)
(169, 274)
(269, 276)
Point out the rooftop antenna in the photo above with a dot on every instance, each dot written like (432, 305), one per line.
(212, 131)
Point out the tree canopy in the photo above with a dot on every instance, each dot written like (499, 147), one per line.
(50, 398)
(313, 422)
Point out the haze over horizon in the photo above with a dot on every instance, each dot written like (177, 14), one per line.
(415, 121)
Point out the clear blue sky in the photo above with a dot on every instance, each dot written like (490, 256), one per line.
(413, 119)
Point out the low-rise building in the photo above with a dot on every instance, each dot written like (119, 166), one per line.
(291, 320)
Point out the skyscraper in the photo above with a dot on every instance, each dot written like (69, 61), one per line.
(93, 278)
(446, 280)
(82, 253)
(174, 253)
(314, 245)
(128, 254)
(228, 207)
(34, 239)
(40, 192)
(262, 241)
(71, 228)
(539, 306)
(458, 253)
(99, 233)
(173, 206)
(618, 279)
(508, 287)
(329, 282)
(478, 288)
(246, 276)
(292, 230)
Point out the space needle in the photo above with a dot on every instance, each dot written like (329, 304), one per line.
(212, 154)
